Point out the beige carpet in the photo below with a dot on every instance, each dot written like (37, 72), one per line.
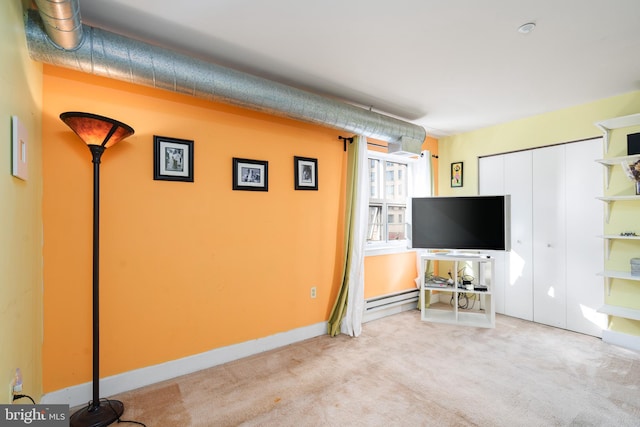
(405, 372)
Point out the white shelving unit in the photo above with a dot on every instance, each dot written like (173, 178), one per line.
(480, 308)
(607, 126)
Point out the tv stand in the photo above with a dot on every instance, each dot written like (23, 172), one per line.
(461, 303)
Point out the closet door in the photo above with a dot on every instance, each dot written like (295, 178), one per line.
(549, 242)
(518, 183)
(585, 250)
(491, 182)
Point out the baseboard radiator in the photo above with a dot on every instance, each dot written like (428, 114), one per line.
(386, 305)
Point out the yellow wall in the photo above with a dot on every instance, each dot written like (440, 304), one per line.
(185, 267)
(21, 212)
(565, 125)
(570, 124)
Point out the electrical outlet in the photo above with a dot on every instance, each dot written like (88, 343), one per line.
(313, 292)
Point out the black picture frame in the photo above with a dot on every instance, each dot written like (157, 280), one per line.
(305, 173)
(172, 159)
(250, 175)
(456, 174)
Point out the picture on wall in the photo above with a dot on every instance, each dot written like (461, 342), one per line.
(456, 174)
(251, 175)
(173, 159)
(305, 173)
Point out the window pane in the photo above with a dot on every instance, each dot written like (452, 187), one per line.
(395, 216)
(374, 179)
(395, 185)
(375, 227)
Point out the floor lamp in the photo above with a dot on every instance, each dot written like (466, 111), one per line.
(99, 133)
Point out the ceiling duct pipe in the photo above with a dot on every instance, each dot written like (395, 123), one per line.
(111, 55)
(62, 22)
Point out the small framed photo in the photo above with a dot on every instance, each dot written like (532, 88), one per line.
(173, 159)
(251, 175)
(305, 173)
(456, 174)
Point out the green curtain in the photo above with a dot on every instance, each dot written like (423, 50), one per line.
(340, 306)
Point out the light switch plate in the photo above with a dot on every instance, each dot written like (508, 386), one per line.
(19, 148)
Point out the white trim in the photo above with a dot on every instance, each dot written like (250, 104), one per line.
(80, 394)
(373, 249)
(631, 342)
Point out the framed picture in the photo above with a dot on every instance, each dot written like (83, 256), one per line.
(456, 174)
(173, 159)
(251, 175)
(305, 172)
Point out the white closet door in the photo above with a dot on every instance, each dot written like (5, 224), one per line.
(518, 183)
(491, 179)
(491, 182)
(585, 250)
(549, 243)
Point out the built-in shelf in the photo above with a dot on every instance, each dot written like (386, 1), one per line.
(610, 237)
(606, 126)
(611, 199)
(625, 312)
(616, 161)
(614, 274)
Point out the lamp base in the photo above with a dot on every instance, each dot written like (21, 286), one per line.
(107, 412)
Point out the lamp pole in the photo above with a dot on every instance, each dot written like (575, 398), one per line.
(96, 151)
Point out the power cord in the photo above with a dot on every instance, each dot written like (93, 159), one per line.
(116, 412)
(22, 396)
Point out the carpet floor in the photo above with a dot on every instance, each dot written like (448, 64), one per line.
(402, 371)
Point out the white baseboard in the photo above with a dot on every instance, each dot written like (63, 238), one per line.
(620, 339)
(82, 393)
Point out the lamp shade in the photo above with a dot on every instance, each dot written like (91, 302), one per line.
(96, 130)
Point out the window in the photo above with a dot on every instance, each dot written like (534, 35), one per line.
(388, 196)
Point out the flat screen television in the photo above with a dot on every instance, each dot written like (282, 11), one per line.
(473, 223)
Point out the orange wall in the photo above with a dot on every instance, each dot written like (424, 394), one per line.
(386, 274)
(185, 267)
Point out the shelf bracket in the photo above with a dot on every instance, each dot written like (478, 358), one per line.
(607, 210)
(607, 176)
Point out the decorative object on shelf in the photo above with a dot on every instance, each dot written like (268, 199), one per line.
(251, 175)
(172, 159)
(99, 133)
(456, 174)
(633, 143)
(305, 173)
(635, 266)
(633, 173)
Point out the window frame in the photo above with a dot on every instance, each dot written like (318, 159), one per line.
(394, 246)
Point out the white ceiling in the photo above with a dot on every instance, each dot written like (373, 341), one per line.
(449, 65)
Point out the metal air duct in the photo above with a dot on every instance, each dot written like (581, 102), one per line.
(61, 19)
(110, 55)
